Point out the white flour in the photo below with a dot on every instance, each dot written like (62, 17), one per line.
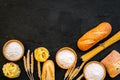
(13, 50)
(94, 71)
(66, 58)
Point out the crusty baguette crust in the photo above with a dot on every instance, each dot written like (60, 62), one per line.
(48, 70)
(94, 35)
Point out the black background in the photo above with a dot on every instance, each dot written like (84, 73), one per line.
(55, 24)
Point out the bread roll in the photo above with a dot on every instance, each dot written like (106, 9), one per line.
(112, 63)
(48, 70)
(93, 36)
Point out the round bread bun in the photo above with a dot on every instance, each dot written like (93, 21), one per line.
(13, 57)
(63, 65)
(100, 65)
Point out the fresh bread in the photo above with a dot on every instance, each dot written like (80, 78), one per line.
(93, 36)
(48, 70)
(112, 63)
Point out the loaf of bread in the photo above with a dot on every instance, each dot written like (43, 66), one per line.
(112, 63)
(48, 70)
(94, 35)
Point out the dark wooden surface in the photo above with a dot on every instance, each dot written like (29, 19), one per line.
(55, 24)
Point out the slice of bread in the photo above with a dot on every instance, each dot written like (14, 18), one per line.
(112, 63)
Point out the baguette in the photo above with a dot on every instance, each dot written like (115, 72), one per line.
(48, 70)
(94, 35)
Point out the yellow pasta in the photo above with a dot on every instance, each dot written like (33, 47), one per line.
(41, 54)
(11, 70)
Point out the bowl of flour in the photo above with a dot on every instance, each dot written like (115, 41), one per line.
(94, 70)
(66, 57)
(13, 50)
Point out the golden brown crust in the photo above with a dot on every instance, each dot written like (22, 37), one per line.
(66, 48)
(97, 63)
(18, 43)
(48, 70)
(94, 35)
